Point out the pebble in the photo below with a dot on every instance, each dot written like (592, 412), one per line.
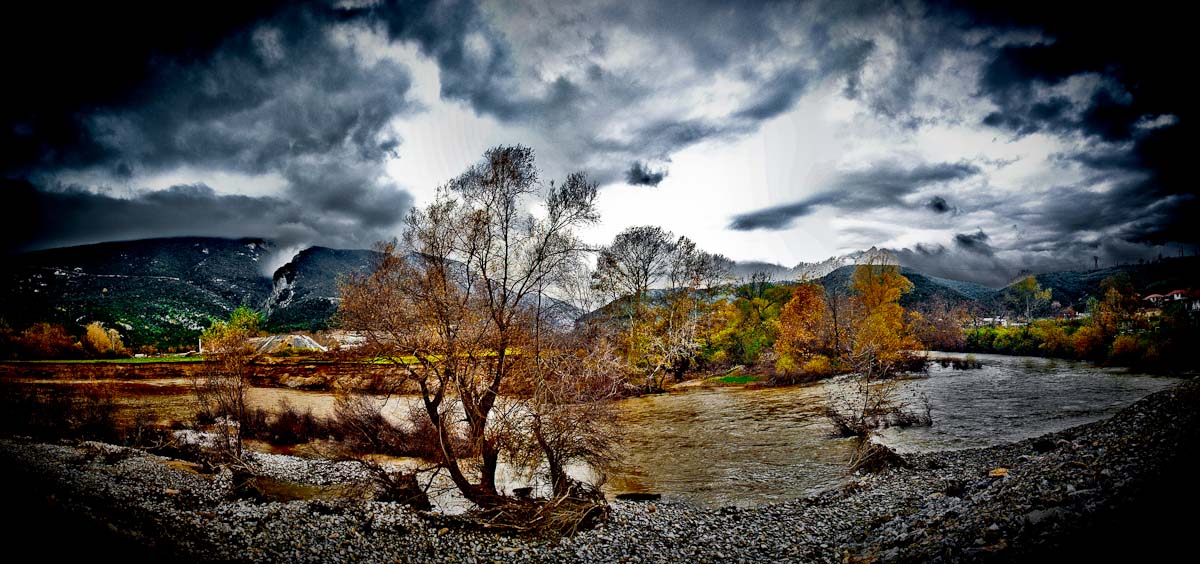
(936, 506)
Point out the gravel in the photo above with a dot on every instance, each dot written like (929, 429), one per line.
(1010, 502)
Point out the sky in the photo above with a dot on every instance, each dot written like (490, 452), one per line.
(974, 142)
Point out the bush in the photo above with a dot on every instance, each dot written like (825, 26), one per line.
(818, 366)
(1126, 351)
(785, 365)
(47, 341)
(291, 427)
(1089, 343)
(359, 421)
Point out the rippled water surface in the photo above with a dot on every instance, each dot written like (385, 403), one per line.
(731, 446)
(1013, 398)
(750, 447)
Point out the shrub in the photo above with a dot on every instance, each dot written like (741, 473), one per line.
(359, 421)
(1089, 342)
(818, 366)
(85, 412)
(291, 427)
(1126, 350)
(47, 340)
(785, 365)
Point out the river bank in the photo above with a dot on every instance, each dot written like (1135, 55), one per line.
(298, 373)
(1021, 501)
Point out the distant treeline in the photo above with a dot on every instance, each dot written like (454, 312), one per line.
(1120, 331)
(52, 341)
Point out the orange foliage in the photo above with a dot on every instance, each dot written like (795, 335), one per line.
(803, 323)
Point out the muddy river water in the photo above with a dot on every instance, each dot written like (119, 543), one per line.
(734, 446)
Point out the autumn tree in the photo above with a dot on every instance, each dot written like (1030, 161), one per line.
(221, 388)
(880, 345)
(46, 340)
(804, 328)
(101, 341)
(1029, 296)
(452, 304)
(752, 320)
(1116, 309)
(881, 339)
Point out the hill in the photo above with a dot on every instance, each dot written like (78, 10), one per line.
(305, 294)
(1074, 287)
(161, 291)
(925, 287)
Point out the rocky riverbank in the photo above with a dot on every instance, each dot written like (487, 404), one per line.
(1083, 489)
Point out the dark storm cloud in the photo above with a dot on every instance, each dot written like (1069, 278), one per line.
(277, 94)
(61, 63)
(641, 175)
(777, 217)
(958, 264)
(1133, 52)
(37, 218)
(883, 185)
(938, 204)
(776, 96)
(263, 89)
(480, 65)
(974, 242)
(780, 92)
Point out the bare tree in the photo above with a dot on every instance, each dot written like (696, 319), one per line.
(638, 258)
(569, 412)
(660, 334)
(450, 304)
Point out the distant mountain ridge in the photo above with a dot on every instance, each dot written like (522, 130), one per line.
(811, 270)
(152, 290)
(165, 291)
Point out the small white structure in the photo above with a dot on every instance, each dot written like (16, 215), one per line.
(286, 343)
(347, 339)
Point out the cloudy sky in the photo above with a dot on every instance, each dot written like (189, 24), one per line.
(972, 142)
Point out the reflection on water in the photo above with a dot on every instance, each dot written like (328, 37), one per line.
(732, 446)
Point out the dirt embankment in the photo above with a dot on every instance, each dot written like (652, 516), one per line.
(298, 374)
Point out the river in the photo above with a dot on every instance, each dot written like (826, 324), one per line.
(748, 447)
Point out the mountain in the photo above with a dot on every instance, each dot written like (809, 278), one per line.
(155, 290)
(304, 294)
(810, 270)
(925, 287)
(165, 291)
